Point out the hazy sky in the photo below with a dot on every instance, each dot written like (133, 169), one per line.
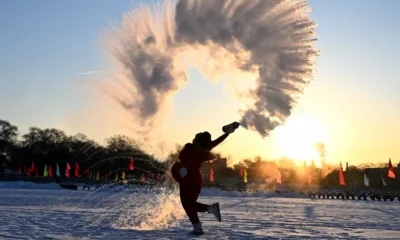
(353, 105)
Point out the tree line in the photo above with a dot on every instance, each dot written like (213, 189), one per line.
(51, 146)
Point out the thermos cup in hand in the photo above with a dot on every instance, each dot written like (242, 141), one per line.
(230, 127)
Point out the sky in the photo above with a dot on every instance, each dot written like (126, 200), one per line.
(49, 55)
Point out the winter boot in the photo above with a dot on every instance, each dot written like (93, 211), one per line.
(197, 229)
(214, 209)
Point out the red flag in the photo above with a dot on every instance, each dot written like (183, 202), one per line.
(19, 169)
(241, 171)
(309, 178)
(76, 169)
(50, 171)
(33, 167)
(67, 168)
(36, 173)
(341, 175)
(88, 173)
(211, 175)
(131, 165)
(391, 170)
(278, 177)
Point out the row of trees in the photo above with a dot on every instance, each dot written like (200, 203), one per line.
(51, 146)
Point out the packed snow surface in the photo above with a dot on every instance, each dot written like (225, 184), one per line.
(46, 211)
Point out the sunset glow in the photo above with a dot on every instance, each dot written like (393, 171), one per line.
(296, 140)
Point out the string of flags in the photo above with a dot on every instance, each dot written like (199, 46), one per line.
(390, 174)
(244, 175)
(48, 172)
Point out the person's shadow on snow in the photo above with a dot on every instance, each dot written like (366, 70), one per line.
(309, 211)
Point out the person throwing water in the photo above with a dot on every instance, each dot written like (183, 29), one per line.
(187, 173)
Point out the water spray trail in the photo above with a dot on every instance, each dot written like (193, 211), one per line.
(136, 207)
(152, 210)
(272, 39)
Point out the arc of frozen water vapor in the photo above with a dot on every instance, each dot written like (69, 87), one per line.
(274, 39)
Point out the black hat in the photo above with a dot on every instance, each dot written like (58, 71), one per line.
(203, 140)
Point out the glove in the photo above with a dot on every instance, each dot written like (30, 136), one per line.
(231, 129)
(183, 172)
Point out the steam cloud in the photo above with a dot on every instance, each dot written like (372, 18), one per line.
(273, 39)
(320, 147)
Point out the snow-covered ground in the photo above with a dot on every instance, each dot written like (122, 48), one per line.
(32, 211)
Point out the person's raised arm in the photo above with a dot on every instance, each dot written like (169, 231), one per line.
(219, 140)
(228, 129)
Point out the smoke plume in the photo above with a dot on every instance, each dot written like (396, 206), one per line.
(272, 39)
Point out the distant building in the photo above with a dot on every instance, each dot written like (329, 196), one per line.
(220, 163)
(219, 166)
(355, 179)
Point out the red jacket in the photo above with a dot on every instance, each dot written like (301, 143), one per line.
(192, 157)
